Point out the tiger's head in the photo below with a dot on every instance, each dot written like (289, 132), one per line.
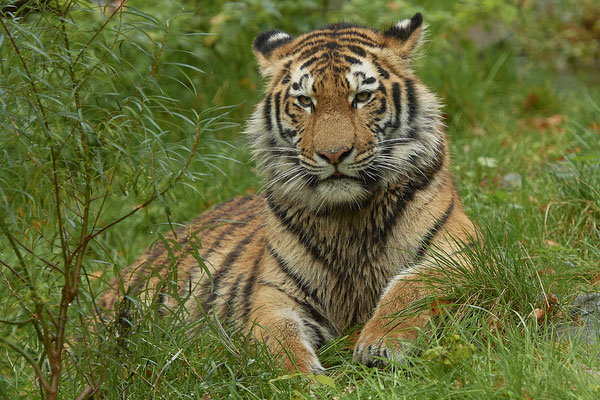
(344, 115)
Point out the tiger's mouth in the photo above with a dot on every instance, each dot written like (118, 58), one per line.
(338, 175)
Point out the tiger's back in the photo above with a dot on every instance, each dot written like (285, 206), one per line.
(229, 239)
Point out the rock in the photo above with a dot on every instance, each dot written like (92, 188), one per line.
(512, 181)
(584, 324)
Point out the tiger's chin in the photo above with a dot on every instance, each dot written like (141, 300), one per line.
(341, 192)
(325, 195)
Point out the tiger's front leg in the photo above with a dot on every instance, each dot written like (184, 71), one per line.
(387, 335)
(290, 333)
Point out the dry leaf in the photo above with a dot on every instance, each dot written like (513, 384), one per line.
(96, 275)
(495, 325)
(537, 313)
(543, 124)
(550, 302)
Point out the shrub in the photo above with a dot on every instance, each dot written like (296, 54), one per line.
(87, 124)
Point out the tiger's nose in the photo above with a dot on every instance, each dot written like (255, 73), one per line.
(335, 156)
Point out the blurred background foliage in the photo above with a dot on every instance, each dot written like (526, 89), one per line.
(561, 36)
(553, 34)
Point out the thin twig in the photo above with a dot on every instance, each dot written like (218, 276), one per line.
(97, 33)
(5, 321)
(87, 392)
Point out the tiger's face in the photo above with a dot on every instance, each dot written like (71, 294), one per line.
(343, 114)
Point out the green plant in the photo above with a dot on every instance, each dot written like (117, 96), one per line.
(83, 128)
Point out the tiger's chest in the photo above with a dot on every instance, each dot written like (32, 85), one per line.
(344, 263)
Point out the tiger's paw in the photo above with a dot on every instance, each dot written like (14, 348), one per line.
(379, 350)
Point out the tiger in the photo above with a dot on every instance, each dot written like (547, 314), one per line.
(357, 192)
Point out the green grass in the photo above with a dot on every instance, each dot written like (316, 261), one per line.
(541, 237)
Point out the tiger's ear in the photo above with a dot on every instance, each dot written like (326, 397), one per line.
(406, 36)
(267, 49)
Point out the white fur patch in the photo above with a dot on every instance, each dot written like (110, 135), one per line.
(292, 315)
(404, 24)
(278, 36)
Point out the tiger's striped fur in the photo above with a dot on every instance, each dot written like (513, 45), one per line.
(358, 188)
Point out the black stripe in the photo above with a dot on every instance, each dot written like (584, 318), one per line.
(309, 63)
(233, 296)
(381, 70)
(412, 101)
(217, 242)
(332, 46)
(226, 265)
(287, 66)
(298, 281)
(308, 52)
(316, 332)
(407, 194)
(249, 289)
(393, 123)
(290, 114)
(296, 229)
(396, 95)
(369, 80)
(277, 111)
(315, 319)
(353, 60)
(426, 241)
(383, 106)
(357, 50)
(267, 113)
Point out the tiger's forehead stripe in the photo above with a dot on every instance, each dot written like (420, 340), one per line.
(352, 38)
(317, 45)
(353, 33)
(315, 48)
(328, 49)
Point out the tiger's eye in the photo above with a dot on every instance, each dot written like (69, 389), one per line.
(305, 100)
(362, 96)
